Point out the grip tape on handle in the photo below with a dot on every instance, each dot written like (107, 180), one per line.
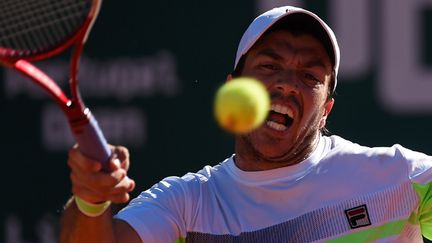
(92, 142)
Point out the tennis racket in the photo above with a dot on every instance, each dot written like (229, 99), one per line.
(33, 30)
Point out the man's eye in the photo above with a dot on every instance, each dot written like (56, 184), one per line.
(310, 76)
(268, 66)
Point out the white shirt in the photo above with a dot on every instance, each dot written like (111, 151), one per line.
(343, 191)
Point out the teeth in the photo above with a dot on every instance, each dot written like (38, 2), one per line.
(276, 126)
(282, 109)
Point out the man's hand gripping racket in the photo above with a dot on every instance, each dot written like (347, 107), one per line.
(32, 30)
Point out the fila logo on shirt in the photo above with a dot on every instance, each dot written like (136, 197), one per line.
(358, 216)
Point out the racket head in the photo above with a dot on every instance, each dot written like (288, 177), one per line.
(34, 29)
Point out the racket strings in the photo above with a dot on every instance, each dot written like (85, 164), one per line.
(38, 25)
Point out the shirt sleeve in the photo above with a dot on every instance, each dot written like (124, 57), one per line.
(420, 174)
(159, 213)
(419, 165)
(424, 212)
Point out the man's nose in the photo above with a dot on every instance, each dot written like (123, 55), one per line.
(287, 81)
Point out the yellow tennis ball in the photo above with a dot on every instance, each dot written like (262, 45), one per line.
(241, 105)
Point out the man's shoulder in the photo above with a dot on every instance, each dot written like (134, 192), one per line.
(204, 175)
(342, 145)
(390, 158)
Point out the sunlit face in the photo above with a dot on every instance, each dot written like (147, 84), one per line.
(296, 70)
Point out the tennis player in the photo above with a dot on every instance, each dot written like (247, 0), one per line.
(286, 182)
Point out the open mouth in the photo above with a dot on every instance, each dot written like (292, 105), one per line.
(280, 117)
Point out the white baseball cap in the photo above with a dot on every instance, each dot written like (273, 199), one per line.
(266, 20)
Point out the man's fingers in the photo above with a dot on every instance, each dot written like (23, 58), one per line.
(93, 184)
(120, 198)
(87, 194)
(114, 163)
(116, 193)
(120, 194)
(99, 180)
(126, 185)
(122, 154)
(78, 160)
(109, 180)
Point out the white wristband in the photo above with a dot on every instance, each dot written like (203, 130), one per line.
(91, 209)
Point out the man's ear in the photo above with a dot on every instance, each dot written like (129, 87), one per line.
(328, 107)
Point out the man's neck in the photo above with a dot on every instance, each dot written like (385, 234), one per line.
(249, 159)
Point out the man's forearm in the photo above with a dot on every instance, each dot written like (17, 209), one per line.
(79, 228)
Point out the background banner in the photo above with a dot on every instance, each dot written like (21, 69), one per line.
(150, 72)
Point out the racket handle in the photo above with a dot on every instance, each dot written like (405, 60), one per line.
(91, 140)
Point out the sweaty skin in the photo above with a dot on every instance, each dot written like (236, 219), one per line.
(296, 70)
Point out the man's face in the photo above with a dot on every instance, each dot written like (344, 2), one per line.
(296, 70)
